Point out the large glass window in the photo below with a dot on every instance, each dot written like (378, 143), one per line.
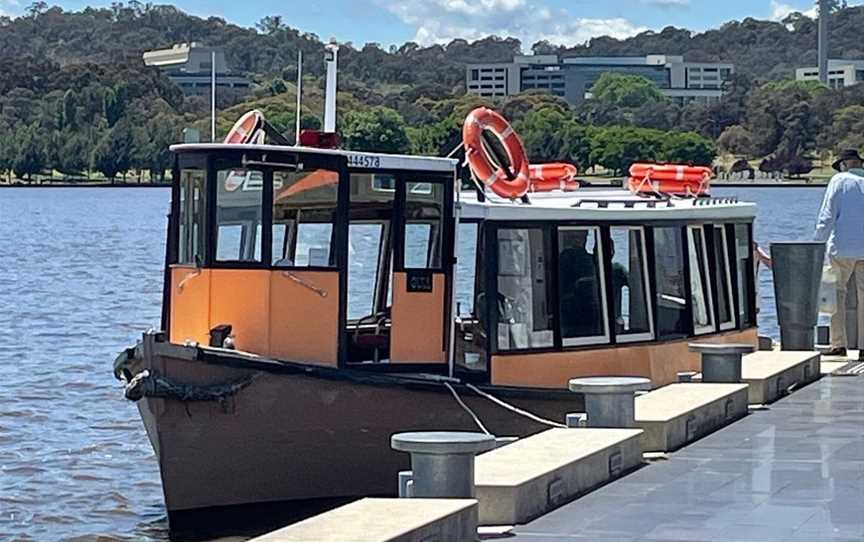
(671, 286)
(723, 278)
(581, 286)
(470, 343)
(700, 291)
(466, 268)
(304, 211)
(364, 254)
(424, 203)
(746, 278)
(238, 215)
(192, 232)
(631, 300)
(525, 317)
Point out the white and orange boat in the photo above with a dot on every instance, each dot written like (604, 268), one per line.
(319, 300)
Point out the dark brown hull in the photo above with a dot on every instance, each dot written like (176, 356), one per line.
(290, 432)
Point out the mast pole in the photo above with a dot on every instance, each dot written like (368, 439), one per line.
(299, 96)
(212, 96)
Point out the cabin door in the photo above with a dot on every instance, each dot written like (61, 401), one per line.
(422, 270)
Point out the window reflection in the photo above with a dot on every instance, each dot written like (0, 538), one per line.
(581, 285)
(304, 211)
(671, 288)
(703, 309)
(629, 286)
(239, 195)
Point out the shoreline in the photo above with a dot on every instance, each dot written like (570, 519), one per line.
(87, 185)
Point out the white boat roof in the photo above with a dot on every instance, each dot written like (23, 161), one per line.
(596, 204)
(370, 160)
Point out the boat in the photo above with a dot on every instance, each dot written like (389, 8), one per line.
(318, 300)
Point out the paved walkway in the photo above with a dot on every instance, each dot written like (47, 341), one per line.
(793, 472)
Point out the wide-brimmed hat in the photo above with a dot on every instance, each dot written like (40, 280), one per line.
(848, 154)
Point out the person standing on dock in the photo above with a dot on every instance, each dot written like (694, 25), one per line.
(841, 224)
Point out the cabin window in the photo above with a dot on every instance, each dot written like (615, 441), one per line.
(466, 268)
(700, 291)
(304, 211)
(671, 286)
(238, 215)
(525, 317)
(191, 232)
(631, 299)
(746, 277)
(581, 286)
(424, 203)
(470, 344)
(723, 278)
(370, 248)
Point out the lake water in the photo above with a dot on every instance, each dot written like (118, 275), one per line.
(80, 279)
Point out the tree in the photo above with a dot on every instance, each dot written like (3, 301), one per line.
(29, 152)
(622, 90)
(378, 129)
(736, 140)
(618, 147)
(115, 101)
(73, 152)
(542, 133)
(114, 151)
(688, 148)
(847, 129)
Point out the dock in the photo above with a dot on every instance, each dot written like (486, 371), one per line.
(793, 472)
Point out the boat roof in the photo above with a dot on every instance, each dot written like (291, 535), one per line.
(357, 160)
(602, 204)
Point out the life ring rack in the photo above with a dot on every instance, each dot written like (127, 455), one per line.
(670, 179)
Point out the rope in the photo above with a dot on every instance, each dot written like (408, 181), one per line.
(188, 277)
(320, 291)
(467, 408)
(514, 409)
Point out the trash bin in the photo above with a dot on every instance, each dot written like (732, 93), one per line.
(797, 277)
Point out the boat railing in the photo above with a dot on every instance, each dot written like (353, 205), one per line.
(627, 203)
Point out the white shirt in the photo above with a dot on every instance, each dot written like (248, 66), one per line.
(841, 218)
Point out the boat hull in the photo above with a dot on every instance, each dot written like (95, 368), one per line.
(288, 432)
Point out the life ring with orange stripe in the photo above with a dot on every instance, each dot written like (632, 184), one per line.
(246, 128)
(500, 181)
(554, 176)
(671, 179)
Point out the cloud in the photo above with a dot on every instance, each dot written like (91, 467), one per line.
(668, 3)
(9, 7)
(440, 21)
(780, 11)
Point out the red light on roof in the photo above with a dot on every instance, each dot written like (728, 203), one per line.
(319, 139)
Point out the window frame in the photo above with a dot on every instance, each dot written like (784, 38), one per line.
(605, 338)
(730, 290)
(705, 276)
(650, 335)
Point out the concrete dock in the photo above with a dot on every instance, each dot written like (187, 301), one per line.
(771, 374)
(793, 472)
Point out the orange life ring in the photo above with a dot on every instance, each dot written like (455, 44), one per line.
(674, 179)
(482, 165)
(555, 176)
(246, 128)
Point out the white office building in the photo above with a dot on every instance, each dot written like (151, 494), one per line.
(189, 65)
(841, 73)
(572, 78)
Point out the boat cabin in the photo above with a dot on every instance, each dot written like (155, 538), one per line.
(385, 263)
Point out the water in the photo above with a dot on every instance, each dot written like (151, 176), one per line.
(80, 278)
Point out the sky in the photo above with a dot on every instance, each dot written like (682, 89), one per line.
(566, 22)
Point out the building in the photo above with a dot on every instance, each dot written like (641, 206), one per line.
(841, 73)
(572, 78)
(189, 66)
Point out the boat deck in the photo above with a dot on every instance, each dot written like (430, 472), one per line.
(791, 472)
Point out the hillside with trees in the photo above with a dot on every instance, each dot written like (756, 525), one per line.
(76, 98)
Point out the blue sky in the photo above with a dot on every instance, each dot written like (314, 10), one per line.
(426, 21)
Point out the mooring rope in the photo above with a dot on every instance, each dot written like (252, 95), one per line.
(467, 408)
(514, 409)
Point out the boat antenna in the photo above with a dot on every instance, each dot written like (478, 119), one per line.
(299, 95)
(213, 96)
(824, 11)
(331, 58)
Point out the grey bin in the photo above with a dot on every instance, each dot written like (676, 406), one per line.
(797, 277)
